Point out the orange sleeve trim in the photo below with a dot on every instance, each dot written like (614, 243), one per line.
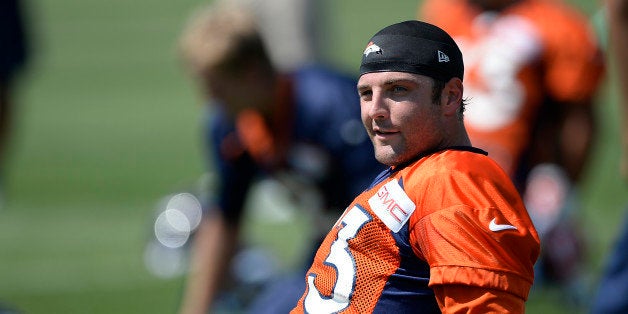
(488, 279)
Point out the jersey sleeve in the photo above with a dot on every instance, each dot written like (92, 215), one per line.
(474, 232)
(461, 249)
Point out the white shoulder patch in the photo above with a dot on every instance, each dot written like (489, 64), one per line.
(392, 205)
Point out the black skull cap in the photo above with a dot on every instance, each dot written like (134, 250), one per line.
(414, 47)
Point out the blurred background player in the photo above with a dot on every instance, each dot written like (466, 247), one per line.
(610, 298)
(303, 125)
(13, 58)
(533, 68)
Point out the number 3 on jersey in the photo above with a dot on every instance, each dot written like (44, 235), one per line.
(339, 258)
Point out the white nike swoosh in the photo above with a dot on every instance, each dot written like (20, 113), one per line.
(493, 226)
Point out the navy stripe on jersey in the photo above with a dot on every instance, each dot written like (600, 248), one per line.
(407, 288)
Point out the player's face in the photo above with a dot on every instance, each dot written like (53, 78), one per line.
(239, 91)
(399, 115)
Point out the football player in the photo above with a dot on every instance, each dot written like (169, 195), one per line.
(443, 228)
(304, 124)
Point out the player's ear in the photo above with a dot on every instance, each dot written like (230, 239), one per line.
(451, 97)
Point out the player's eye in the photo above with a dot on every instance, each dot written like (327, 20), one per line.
(365, 94)
(399, 89)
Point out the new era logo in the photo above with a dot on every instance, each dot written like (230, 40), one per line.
(442, 57)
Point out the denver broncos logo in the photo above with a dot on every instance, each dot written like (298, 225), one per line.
(372, 47)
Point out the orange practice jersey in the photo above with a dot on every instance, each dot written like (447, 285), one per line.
(446, 232)
(515, 61)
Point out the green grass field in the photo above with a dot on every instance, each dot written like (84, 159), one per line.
(108, 124)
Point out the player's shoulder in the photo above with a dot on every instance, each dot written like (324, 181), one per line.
(460, 163)
(452, 15)
(435, 5)
(456, 158)
(321, 91)
(458, 177)
(555, 7)
(552, 15)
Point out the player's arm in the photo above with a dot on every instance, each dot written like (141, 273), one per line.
(480, 260)
(564, 134)
(573, 70)
(481, 246)
(214, 245)
(479, 271)
(216, 239)
(576, 135)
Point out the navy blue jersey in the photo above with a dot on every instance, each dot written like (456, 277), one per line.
(325, 144)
